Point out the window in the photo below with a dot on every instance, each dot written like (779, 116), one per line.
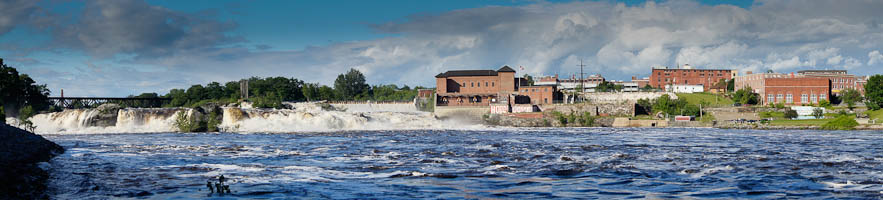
(780, 98)
(804, 98)
(473, 84)
(533, 90)
(492, 84)
(769, 98)
(545, 100)
(823, 97)
(485, 83)
(789, 99)
(545, 89)
(814, 98)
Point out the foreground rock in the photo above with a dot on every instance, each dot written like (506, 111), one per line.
(20, 153)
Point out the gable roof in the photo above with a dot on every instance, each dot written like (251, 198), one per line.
(505, 69)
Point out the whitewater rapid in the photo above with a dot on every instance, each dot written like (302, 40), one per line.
(303, 117)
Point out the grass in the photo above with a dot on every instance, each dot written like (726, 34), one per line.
(713, 99)
(772, 114)
(875, 114)
(803, 122)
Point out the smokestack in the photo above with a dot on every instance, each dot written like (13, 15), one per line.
(62, 93)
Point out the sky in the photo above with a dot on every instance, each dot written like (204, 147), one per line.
(122, 47)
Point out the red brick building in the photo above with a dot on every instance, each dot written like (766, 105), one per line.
(840, 80)
(475, 87)
(796, 91)
(788, 89)
(540, 94)
(486, 87)
(660, 77)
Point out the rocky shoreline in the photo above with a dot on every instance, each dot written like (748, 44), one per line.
(21, 153)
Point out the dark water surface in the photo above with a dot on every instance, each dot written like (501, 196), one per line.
(508, 164)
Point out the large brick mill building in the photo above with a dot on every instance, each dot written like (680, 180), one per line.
(788, 89)
(486, 87)
(660, 77)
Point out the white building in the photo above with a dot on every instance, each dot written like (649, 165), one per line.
(684, 88)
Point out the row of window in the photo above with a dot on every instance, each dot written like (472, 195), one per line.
(804, 98)
(685, 74)
(472, 84)
(534, 90)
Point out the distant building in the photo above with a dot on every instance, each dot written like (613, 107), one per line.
(643, 82)
(474, 87)
(789, 89)
(541, 94)
(840, 80)
(684, 88)
(486, 87)
(588, 83)
(687, 75)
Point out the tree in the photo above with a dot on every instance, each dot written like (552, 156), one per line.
(745, 96)
(790, 114)
(874, 92)
(731, 85)
(850, 97)
(824, 103)
(818, 113)
(19, 90)
(351, 84)
(326, 93)
(528, 79)
(311, 91)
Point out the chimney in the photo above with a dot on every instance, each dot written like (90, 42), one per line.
(747, 72)
(634, 78)
(792, 74)
(62, 93)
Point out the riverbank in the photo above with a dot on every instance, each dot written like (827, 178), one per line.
(21, 153)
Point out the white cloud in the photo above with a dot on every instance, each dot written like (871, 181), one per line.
(874, 57)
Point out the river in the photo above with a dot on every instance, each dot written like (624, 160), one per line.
(546, 163)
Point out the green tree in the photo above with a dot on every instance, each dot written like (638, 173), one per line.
(874, 92)
(311, 91)
(351, 84)
(745, 96)
(327, 93)
(818, 113)
(19, 90)
(528, 79)
(790, 114)
(850, 97)
(731, 85)
(824, 103)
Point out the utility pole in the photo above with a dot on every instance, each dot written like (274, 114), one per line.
(582, 86)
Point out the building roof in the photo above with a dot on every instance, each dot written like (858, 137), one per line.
(453, 73)
(821, 71)
(505, 69)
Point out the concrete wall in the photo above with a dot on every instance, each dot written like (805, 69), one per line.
(619, 97)
(626, 122)
(467, 113)
(387, 107)
(612, 109)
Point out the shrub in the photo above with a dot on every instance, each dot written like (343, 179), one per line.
(818, 113)
(824, 103)
(780, 105)
(24, 115)
(790, 114)
(185, 122)
(213, 122)
(2, 115)
(269, 101)
(841, 123)
(586, 119)
(560, 117)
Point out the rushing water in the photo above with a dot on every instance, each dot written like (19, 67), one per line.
(504, 163)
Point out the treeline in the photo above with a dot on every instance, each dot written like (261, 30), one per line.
(19, 94)
(271, 91)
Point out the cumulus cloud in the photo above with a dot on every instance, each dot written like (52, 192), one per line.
(874, 57)
(613, 39)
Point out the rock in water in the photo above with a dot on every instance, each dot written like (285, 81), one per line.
(20, 151)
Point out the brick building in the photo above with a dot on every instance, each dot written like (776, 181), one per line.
(796, 91)
(486, 87)
(789, 89)
(840, 80)
(643, 82)
(475, 87)
(659, 77)
(540, 94)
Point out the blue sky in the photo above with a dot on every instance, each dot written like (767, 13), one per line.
(122, 47)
